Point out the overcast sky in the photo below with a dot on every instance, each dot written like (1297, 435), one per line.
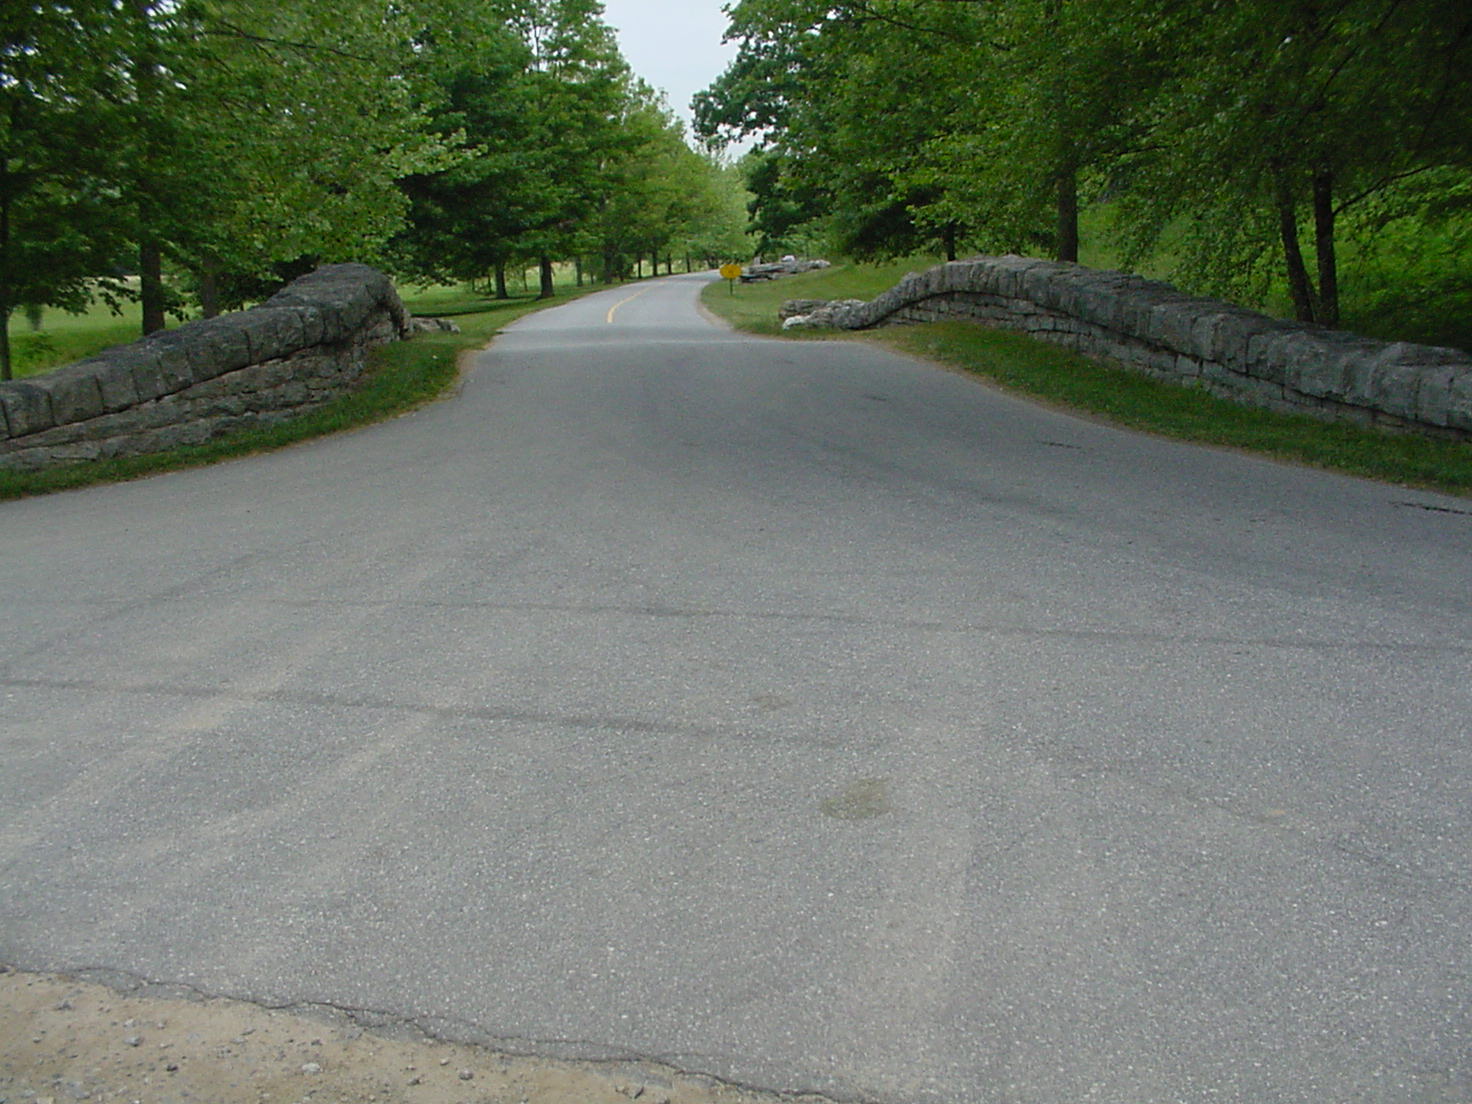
(675, 45)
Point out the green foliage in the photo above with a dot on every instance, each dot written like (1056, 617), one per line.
(1410, 253)
(465, 218)
(58, 193)
(564, 154)
(235, 144)
(1251, 141)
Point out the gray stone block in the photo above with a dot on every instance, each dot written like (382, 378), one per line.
(1304, 363)
(1098, 302)
(1270, 352)
(1394, 389)
(1009, 271)
(114, 383)
(1066, 289)
(27, 408)
(140, 362)
(61, 434)
(1435, 400)
(1134, 317)
(1459, 403)
(175, 362)
(1233, 334)
(215, 345)
(982, 276)
(272, 332)
(1035, 283)
(78, 453)
(956, 276)
(75, 396)
(345, 295)
(1169, 323)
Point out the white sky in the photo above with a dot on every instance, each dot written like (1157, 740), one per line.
(675, 45)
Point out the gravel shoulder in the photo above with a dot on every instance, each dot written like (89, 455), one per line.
(64, 1039)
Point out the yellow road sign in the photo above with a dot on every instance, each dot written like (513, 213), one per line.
(731, 271)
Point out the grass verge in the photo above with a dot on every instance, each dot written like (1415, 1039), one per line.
(400, 377)
(753, 307)
(1030, 367)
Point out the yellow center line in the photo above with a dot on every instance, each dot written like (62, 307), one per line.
(614, 309)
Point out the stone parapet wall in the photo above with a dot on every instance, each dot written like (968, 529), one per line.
(1153, 327)
(301, 348)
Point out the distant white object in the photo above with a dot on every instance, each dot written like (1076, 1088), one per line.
(789, 259)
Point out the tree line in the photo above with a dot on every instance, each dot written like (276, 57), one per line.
(1245, 138)
(214, 148)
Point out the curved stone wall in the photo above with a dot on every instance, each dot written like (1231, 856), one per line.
(298, 350)
(1153, 327)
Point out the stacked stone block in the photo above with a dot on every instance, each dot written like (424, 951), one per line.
(300, 349)
(1152, 327)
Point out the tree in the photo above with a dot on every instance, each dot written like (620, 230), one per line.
(302, 118)
(1283, 116)
(58, 191)
(464, 220)
(578, 82)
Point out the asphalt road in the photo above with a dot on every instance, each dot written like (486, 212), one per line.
(791, 712)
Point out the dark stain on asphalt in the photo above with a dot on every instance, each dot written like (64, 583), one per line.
(864, 799)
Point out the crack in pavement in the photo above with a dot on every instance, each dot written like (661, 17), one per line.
(81, 1029)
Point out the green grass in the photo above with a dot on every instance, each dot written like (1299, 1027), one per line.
(1046, 372)
(400, 377)
(64, 338)
(753, 307)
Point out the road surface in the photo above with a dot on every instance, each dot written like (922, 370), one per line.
(790, 712)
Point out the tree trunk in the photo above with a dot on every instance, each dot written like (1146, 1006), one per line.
(147, 80)
(948, 237)
(501, 292)
(6, 306)
(1328, 312)
(548, 290)
(578, 266)
(151, 279)
(1068, 215)
(209, 289)
(1299, 285)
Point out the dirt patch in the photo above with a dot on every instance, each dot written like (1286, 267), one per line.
(63, 1040)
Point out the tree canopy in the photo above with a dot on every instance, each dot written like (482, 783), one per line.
(212, 148)
(1246, 132)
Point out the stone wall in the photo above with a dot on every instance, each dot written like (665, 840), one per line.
(1152, 327)
(298, 350)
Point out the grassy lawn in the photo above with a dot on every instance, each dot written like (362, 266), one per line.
(400, 377)
(1127, 398)
(64, 338)
(753, 307)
